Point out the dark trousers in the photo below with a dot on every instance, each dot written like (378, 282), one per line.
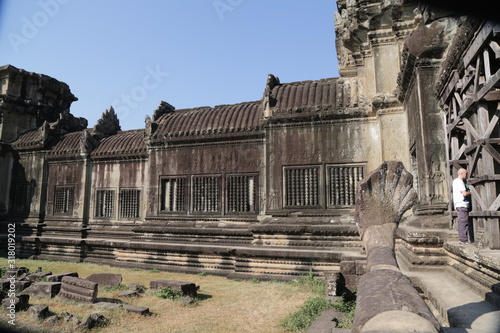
(464, 225)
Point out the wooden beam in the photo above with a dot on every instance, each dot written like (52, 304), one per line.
(487, 69)
(471, 129)
(478, 198)
(482, 36)
(460, 152)
(468, 103)
(496, 48)
(496, 204)
(493, 122)
(493, 95)
(483, 178)
(484, 213)
(492, 152)
(475, 158)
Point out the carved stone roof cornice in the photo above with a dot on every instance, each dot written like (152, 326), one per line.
(49, 133)
(126, 144)
(224, 121)
(315, 100)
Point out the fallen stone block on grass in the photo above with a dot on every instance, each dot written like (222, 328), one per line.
(21, 285)
(38, 311)
(38, 276)
(76, 289)
(18, 303)
(69, 318)
(52, 320)
(108, 305)
(58, 277)
(5, 285)
(138, 288)
(94, 320)
(43, 289)
(106, 279)
(186, 288)
(143, 311)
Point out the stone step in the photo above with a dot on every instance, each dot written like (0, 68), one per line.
(462, 308)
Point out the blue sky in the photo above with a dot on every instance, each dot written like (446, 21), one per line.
(189, 53)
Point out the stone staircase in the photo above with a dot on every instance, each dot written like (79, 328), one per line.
(463, 298)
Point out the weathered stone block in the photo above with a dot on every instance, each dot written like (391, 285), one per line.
(18, 303)
(69, 318)
(79, 290)
(348, 267)
(107, 305)
(58, 277)
(43, 289)
(106, 279)
(4, 285)
(75, 297)
(94, 320)
(186, 288)
(138, 288)
(76, 289)
(351, 281)
(360, 267)
(16, 272)
(38, 311)
(21, 285)
(84, 283)
(38, 276)
(137, 309)
(335, 283)
(52, 320)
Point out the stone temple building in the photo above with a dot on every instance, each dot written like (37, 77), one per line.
(267, 188)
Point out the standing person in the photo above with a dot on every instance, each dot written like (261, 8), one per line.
(461, 201)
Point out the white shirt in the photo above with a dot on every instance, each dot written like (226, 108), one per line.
(459, 200)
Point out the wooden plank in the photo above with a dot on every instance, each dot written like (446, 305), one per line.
(492, 152)
(471, 130)
(478, 198)
(460, 152)
(487, 68)
(458, 99)
(482, 37)
(450, 87)
(494, 228)
(496, 48)
(482, 178)
(487, 213)
(476, 77)
(493, 122)
(475, 158)
(496, 204)
(493, 95)
(468, 103)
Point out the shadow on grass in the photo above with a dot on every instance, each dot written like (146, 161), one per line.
(109, 300)
(203, 297)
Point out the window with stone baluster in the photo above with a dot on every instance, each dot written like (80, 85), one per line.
(342, 180)
(105, 203)
(241, 193)
(173, 194)
(206, 194)
(302, 187)
(63, 200)
(130, 200)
